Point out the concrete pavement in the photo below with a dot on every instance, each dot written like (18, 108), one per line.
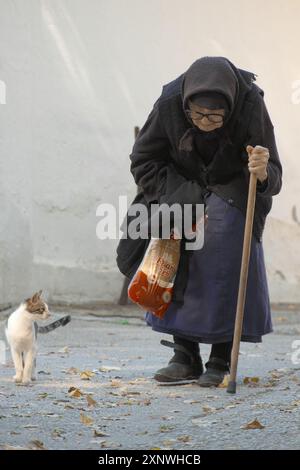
(95, 391)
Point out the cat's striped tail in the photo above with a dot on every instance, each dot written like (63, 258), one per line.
(52, 326)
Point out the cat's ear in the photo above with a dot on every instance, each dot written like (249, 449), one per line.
(36, 296)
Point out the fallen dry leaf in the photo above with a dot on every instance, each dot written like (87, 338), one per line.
(138, 380)
(72, 370)
(43, 372)
(38, 444)
(208, 409)
(169, 443)
(184, 438)
(276, 375)
(86, 375)
(86, 420)
(275, 379)
(296, 403)
(91, 401)
(127, 402)
(75, 392)
(164, 428)
(57, 433)
(129, 393)
(115, 383)
(100, 433)
(251, 380)
(9, 447)
(109, 445)
(225, 382)
(255, 424)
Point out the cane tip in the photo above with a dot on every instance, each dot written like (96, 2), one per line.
(231, 387)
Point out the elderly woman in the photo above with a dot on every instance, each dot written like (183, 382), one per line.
(208, 130)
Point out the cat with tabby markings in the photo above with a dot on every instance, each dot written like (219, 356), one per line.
(21, 333)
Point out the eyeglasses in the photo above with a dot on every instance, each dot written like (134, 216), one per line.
(212, 117)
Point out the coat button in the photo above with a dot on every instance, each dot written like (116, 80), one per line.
(230, 201)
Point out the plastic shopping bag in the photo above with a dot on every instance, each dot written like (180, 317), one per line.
(152, 285)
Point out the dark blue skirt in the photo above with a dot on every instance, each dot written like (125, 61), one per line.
(208, 311)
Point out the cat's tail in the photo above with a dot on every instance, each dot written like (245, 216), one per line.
(52, 326)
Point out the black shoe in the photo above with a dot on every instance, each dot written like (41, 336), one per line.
(216, 369)
(184, 367)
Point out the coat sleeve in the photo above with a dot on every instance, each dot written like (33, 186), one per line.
(261, 132)
(150, 157)
(155, 171)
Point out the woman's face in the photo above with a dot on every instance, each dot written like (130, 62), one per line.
(203, 122)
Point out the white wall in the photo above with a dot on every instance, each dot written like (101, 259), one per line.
(79, 75)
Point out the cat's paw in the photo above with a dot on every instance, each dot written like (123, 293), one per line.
(17, 379)
(26, 381)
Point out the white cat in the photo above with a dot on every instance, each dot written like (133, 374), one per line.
(21, 333)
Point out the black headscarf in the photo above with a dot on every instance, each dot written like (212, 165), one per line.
(211, 74)
(212, 77)
(211, 100)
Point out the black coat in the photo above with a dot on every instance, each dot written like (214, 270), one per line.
(169, 170)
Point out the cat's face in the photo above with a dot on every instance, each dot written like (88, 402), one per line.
(37, 308)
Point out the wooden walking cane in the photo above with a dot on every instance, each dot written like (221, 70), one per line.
(243, 284)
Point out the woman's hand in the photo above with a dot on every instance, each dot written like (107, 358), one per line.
(258, 161)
